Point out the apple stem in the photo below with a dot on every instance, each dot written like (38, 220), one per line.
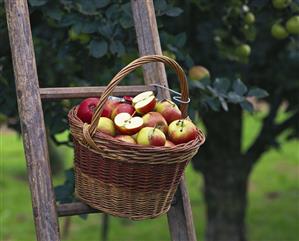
(134, 113)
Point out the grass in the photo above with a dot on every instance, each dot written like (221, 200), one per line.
(272, 214)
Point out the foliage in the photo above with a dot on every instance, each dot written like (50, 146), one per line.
(80, 43)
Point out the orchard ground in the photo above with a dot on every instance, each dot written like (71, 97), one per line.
(273, 211)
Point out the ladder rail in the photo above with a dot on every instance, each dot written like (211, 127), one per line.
(32, 121)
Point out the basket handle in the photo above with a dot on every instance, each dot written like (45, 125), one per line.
(89, 130)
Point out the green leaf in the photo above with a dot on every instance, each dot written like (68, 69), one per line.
(55, 13)
(101, 3)
(221, 85)
(116, 47)
(98, 49)
(239, 87)
(235, 98)
(173, 11)
(223, 103)
(89, 27)
(257, 92)
(213, 103)
(181, 39)
(37, 3)
(246, 105)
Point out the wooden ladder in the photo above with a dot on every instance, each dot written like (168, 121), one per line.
(29, 96)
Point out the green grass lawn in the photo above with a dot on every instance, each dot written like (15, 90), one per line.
(272, 214)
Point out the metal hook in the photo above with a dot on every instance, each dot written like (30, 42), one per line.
(178, 95)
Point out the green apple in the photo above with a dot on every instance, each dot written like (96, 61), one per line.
(182, 131)
(169, 110)
(293, 25)
(281, 4)
(106, 126)
(249, 18)
(278, 31)
(151, 136)
(243, 50)
(198, 72)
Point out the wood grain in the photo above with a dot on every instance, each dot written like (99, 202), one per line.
(84, 92)
(149, 42)
(180, 219)
(76, 208)
(32, 121)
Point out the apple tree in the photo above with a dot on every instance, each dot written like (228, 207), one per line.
(249, 47)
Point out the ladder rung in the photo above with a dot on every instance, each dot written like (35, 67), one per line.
(76, 208)
(83, 92)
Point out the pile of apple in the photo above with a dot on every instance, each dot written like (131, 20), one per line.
(141, 120)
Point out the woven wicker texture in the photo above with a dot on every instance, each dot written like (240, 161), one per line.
(124, 179)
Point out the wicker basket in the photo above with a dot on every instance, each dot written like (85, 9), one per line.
(123, 179)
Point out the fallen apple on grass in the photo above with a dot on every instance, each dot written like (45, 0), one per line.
(155, 119)
(182, 131)
(122, 108)
(144, 102)
(106, 126)
(86, 109)
(150, 136)
(128, 125)
(169, 110)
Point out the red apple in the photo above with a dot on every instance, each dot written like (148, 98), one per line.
(144, 102)
(169, 110)
(155, 119)
(122, 108)
(182, 131)
(86, 109)
(150, 136)
(126, 138)
(109, 106)
(169, 144)
(106, 126)
(128, 125)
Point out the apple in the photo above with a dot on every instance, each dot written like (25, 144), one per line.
(249, 18)
(106, 126)
(281, 4)
(155, 119)
(126, 124)
(86, 109)
(122, 108)
(243, 51)
(151, 136)
(168, 143)
(169, 110)
(108, 108)
(126, 138)
(198, 73)
(144, 102)
(293, 25)
(182, 131)
(278, 31)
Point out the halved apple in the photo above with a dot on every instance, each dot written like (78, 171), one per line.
(144, 102)
(128, 125)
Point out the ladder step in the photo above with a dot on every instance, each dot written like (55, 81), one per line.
(83, 92)
(76, 208)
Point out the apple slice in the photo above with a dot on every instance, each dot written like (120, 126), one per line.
(144, 102)
(128, 125)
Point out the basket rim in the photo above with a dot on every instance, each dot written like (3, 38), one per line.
(75, 121)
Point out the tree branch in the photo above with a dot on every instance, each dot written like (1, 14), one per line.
(269, 131)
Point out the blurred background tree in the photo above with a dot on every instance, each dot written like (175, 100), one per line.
(241, 43)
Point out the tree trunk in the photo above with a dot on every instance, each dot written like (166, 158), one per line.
(225, 195)
(225, 176)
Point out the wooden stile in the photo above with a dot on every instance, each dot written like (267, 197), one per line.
(29, 96)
